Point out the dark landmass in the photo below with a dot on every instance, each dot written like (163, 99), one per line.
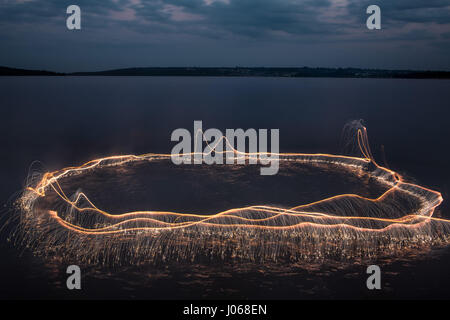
(5, 71)
(244, 72)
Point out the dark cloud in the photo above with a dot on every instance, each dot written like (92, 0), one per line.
(240, 29)
(251, 18)
(40, 10)
(413, 11)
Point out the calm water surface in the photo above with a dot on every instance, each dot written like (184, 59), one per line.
(70, 120)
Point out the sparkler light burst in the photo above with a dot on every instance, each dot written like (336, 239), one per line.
(83, 212)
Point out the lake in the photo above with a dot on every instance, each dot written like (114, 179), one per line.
(64, 121)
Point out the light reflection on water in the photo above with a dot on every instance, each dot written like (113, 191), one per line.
(232, 278)
(246, 280)
(39, 122)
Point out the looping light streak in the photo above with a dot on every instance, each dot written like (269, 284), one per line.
(334, 225)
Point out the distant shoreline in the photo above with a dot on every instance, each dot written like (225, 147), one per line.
(301, 72)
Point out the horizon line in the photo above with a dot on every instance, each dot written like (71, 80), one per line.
(240, 71)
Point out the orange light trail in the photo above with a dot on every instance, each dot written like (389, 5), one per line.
(313, 229)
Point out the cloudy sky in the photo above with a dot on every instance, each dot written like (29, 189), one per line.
(131, 33)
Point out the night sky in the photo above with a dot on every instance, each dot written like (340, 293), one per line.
(415, 34)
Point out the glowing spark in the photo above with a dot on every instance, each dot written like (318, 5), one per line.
(344, 226)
